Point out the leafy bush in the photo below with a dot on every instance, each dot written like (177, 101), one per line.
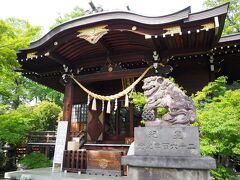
(218, 114)
(222, 173)
(35, 160)
(138, 99)
(161, 111)
(15, 125)
(46, 115)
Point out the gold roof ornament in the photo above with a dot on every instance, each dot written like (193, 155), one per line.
(47, 53)
(207, 26)
(92, 35)
(32, 55)
(172, 30)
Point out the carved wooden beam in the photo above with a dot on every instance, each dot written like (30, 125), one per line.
(104, 76)
(58, 59)
(115, 57)
(105, 46)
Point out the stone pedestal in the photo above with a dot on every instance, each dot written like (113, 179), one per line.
(167, 153)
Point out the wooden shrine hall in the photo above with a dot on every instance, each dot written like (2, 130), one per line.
(106, 53)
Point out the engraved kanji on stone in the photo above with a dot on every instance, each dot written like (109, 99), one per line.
(165, 145)
(153, 134)
(178, 135)
(173, 146)
(191, 146)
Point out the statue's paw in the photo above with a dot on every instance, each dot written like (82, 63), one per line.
(167, 117)
(148, 115)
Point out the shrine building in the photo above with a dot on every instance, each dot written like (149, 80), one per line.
(98, 60)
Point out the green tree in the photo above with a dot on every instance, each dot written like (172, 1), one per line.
(76, 12)
(14, 88)
(14, 34)
(35, 91)
(218, 114)
(15, 125)
(232, 23)
(46, 115)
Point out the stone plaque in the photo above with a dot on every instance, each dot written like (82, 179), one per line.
(167, 141)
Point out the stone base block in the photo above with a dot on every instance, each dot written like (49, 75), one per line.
(170, 162)
(168, 168)
(141, 173)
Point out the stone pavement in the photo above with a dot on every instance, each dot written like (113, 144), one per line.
(47, 174)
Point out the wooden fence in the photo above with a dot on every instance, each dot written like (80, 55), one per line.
(75, 161)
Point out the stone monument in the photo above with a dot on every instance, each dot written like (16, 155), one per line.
(168, 147)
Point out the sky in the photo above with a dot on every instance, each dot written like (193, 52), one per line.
(44, 12)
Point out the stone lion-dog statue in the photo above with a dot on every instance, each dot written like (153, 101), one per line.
(164, 93)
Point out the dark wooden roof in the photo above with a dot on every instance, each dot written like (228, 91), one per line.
(128, 43)
(229, 39)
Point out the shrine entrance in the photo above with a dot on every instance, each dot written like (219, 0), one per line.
(117, 124)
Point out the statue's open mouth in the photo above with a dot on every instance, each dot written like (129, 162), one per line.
(149, 90)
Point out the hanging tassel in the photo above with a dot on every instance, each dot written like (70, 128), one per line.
(88, 100)
(102, 105)
(116, 105)
(94, 105)
(108, 107)
(126, 101)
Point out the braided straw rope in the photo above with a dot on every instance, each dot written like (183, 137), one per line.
(115, 96)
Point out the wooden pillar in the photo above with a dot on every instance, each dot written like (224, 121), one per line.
(67, 107)
(68, 100)
(131, 116)
(46, 151)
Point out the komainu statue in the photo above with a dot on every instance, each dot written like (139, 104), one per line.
(164, 93)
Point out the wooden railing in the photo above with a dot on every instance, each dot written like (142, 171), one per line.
(42, 137)
(75, 161)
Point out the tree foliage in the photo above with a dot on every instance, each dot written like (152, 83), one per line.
(14, 34)
(218, 115)
(76, 12)
(232, 23)
(14, 88)
(46, 115)
(16, 124)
